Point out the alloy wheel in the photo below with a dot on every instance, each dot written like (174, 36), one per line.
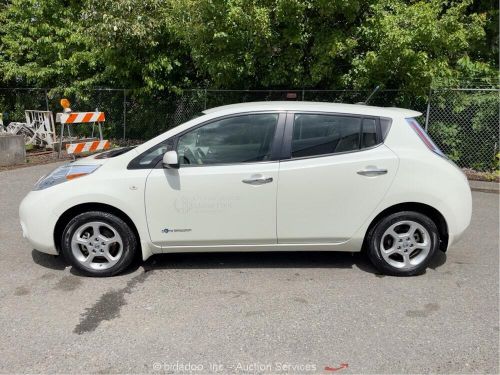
(405, 244)
(97, 245)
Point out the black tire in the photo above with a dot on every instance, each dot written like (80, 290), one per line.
(374, 238)
(128, 239)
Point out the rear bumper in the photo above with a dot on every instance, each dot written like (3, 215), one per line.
(38, 223)
(458, 212)
(461, 212)
(457, 231)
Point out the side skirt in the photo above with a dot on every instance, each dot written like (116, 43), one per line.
(353, 245)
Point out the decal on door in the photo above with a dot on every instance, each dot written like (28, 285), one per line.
(167, 230)
(205, 204)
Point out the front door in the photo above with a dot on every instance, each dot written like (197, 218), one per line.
(224, 192)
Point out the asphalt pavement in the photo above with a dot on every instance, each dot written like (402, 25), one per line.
(304, 313)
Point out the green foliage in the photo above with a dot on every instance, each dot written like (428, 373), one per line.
(470, 133)
(135, 45)
(153, 45)
(282, 43)
(447, 134)
(412, 45)
(43, 43)
(155, 48)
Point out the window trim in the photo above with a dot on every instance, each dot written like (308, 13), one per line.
(286, 154)
(173, 141)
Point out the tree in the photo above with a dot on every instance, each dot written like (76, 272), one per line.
(415, 45)
(136, 46)
(255, 44)
(43, 43)
(487, 49)
(154, 45)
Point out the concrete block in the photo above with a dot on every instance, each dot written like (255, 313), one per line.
(12, 150)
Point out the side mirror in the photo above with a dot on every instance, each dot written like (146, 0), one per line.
(171, 160)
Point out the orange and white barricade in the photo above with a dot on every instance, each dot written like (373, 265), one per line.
(81, 117)
(78, 148)
(69, 119)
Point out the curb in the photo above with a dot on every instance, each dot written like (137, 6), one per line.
(485, 186)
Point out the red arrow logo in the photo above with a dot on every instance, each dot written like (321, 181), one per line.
(342, 366)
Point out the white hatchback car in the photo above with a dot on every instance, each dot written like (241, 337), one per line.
(272, 176)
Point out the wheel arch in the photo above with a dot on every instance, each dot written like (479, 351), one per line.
(86, 207)
(436, 216)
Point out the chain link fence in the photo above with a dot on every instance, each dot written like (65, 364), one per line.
(191, 102)
(463, 122)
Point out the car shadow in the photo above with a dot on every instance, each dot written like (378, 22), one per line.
(240, 260)
(305, 259)
(437, 260)
(54, 262)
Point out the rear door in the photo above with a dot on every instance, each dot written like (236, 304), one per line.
(336, 171)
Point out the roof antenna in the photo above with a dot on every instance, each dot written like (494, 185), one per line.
(370, 96)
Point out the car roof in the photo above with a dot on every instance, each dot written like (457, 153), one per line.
(313, 107)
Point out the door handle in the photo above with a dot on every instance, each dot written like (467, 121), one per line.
(257, 180)
(370, 172)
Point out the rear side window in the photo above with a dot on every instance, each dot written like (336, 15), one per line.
(324, 134)
(319, 134)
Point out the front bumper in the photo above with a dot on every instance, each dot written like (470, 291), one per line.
(38, 222)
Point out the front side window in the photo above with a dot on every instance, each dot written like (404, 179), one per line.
(315, 134)
(239, 139)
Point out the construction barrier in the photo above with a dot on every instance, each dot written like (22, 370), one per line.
(68, 119)
(81, 117)
(77, 148)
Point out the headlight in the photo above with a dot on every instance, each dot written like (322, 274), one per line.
(64, 173)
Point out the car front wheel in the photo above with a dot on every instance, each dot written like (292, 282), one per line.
(99, 243)
(403, 243)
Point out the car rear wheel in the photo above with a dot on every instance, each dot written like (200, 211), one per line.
(403, 243)
(99, 243)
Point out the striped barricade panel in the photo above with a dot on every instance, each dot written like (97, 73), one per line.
(81, 117)
(77, 148)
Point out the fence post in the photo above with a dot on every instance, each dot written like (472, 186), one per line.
(205, 101)
(428, 109)
(124, 113)
(46, 99)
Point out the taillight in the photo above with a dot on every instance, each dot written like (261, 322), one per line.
(424, 137)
